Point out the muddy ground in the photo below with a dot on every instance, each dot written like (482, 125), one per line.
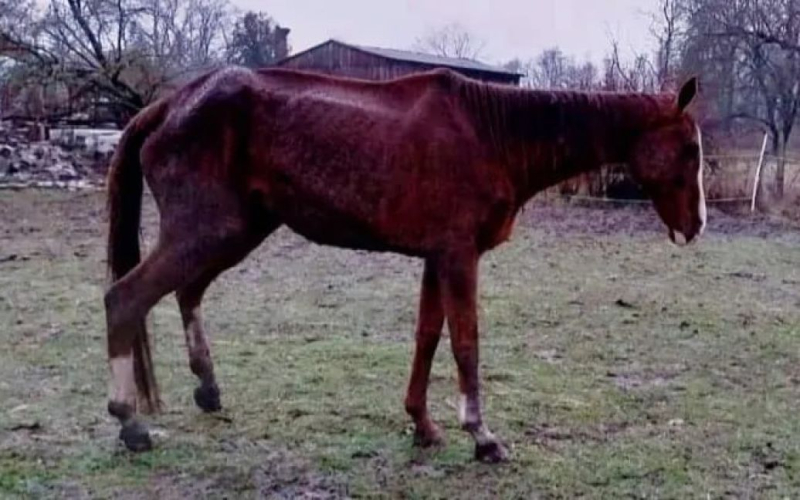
(615, 366)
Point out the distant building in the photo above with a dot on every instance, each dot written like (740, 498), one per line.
(339, 58)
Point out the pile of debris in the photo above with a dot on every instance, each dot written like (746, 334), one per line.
(66, 159)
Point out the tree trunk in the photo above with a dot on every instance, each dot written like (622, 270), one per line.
(779, 147)
(780, 174)
(768, 190)
(762, 195)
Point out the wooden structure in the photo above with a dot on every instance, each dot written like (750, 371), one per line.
(339, 58)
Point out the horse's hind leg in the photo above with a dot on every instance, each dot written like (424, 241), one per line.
(181, 257)
(207, 395)
(127, 304)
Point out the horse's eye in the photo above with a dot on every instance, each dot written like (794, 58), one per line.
(691, 151)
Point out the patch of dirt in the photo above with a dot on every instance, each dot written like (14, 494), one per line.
(645, 378)
(553, 437)
(284, 478)
(280, 475)
(549, 356)
(550, 437)
(768, 458)
(169, 485)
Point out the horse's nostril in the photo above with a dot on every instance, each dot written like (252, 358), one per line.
(695, 234)
(678, 238)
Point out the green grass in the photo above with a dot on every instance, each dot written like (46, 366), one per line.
(614, 364)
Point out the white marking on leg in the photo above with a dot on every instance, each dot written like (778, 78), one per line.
(483, 435)
(462, 410)
(469, 413)
(123, 383)
(194, 330)
(702, 208)
(680, 238)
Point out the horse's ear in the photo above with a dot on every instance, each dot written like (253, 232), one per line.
(688, 93)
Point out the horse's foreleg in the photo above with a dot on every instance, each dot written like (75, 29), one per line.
(459, 281)
(429, 331)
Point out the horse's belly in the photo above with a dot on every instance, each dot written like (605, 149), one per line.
(359, 207)
(339, 235)
(327, 227)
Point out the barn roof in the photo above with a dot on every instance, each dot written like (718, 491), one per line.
(419, 58)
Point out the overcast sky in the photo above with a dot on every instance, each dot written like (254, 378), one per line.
(509, 28)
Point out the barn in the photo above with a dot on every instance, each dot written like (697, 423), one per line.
(372, 63)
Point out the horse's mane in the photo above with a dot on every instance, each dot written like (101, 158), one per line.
(555, 130)
(516, 111)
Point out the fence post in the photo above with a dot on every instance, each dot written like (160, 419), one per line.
(757, 179)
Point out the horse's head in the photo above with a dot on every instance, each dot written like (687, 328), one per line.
(667, 161)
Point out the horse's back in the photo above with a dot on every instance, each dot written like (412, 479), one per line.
(372, 165)
(380, 166)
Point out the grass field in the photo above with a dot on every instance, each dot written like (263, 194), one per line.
(615, 365)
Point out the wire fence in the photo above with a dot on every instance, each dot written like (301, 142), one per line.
(729, 179)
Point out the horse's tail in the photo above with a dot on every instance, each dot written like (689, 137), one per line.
(125, 186)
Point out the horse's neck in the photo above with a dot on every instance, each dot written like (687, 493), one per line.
(545, 138)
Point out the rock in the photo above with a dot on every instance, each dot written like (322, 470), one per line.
(74, 159)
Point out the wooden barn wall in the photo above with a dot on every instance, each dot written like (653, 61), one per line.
(337, 60)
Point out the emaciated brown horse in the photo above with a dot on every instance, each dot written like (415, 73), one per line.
(434, 166)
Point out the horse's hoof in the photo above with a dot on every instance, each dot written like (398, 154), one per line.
(491, 453)
(136, 437)
(206, 397)
(429, 438)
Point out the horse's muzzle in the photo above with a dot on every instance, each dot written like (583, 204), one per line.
(683, 239)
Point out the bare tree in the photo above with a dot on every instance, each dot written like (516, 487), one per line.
(550, 70)
(19, 31)
(667, 28)
(581, 76)
(452, 40)
(182, 34)
(751, 51)
(639, 75)
(257, 41)
(122, 52)
(515, 66)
